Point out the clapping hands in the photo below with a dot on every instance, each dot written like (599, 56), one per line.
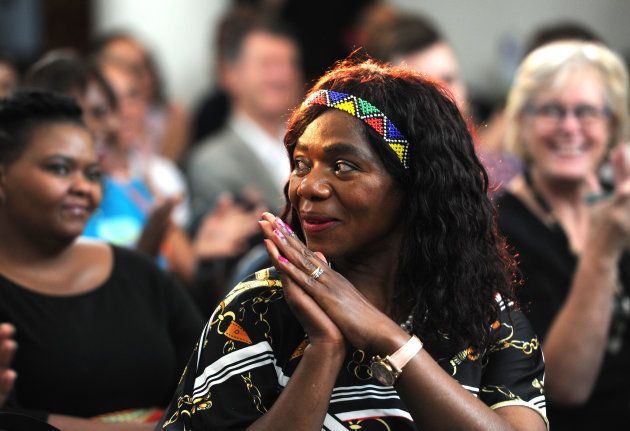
(225, 232)
(7, 349)
(610, 217)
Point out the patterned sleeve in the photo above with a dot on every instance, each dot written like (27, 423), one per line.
(231, 379)
(514, 366)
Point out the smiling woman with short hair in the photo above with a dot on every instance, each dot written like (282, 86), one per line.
(89, 317)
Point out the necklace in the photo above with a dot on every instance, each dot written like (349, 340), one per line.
(538, 197)
(407, 325)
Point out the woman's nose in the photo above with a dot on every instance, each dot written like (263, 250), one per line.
(570, 121)
(314, 186)
(81, 184)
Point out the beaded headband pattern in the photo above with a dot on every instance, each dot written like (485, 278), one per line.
(369, 114)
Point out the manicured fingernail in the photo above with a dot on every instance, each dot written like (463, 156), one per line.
(278, 233)
(282, 259)
(284, 225)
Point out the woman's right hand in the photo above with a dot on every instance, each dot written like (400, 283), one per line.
(610, 218)
(318, 368)
(156, 226)
(225, 231)
(321, 330)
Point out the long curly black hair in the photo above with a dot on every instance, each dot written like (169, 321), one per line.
(452, 260)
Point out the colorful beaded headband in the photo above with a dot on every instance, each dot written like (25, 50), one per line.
(366, 112)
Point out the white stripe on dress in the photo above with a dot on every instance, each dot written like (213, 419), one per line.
(245, 359)
(373, 413)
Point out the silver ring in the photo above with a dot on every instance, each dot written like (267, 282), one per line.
(317, 273)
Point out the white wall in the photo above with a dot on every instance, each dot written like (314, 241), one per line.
(179, 32)
(487, 34)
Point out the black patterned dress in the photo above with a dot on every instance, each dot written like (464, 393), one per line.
(252, 345)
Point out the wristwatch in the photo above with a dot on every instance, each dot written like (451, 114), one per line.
(386, 370)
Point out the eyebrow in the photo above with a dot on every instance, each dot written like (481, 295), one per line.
(57, 156)
(66, 159)
(337, 149)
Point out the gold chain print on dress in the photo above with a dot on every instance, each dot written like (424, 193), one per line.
(538, 384)
(527, 347)
(359, 365)
(188, 407)
(466, 354)
(356, 424)
(259, 305)
(508, 394)
(254, 392)
(226, 323)
(229, 325)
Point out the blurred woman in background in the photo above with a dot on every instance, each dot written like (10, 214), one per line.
(89, 317)
(567, 108)
(132, 211)
(165, 127)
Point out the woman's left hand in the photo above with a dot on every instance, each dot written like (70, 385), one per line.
(341, 301)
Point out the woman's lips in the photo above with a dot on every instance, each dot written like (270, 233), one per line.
(569, 150)
(317, 224)
(78, 209)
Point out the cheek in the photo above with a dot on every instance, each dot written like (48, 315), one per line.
(372, 200)
(97, 195)
(531, 137)
(603, 143)
(601, 136)
(42, 197)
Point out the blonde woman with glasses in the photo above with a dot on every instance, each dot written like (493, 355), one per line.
(567, 111)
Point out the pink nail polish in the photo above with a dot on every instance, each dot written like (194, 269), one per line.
(282, 259)
(284, 225)
(278, 233)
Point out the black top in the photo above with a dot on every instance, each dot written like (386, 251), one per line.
(122, 345)
(252, 345)
(547, 265)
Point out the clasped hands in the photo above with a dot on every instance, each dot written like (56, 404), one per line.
(331, 310)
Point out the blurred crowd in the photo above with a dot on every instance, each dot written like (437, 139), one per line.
(178, 195)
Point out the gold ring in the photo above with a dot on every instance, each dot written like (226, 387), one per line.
(317, 272)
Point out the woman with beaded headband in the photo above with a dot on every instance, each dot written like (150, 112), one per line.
(397, 313)
(568, 107)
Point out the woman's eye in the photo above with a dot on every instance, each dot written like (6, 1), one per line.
(342, 167)
(300, 165)
(58, 169)
(94, 175)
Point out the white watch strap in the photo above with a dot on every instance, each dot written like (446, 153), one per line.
(400, 357)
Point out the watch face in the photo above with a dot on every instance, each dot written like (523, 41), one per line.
(382, 373)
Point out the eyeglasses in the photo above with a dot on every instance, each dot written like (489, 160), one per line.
(555, 113)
